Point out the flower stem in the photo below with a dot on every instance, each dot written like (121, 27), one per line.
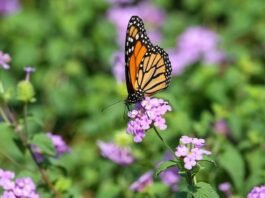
(2, 112)
(189, 178)
(165, 143)
(194, 180)
(42, 171)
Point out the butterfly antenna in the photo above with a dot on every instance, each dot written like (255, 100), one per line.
(111, 105)
(128, 109)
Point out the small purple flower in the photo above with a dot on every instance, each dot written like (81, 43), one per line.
(147, 112)
(9, 6)
(215, 56)
(58, 143)
(20, 188)
(200, 39)
(198, 142)
(144, 181)
(170, 177)
(182, 151)
(221, 127)
(28, 71)
(120, 1)
(115, 153)
(226, 189)
(185, 139)
(189, 162)
(38, 154)
(4, 60)
(190, 149)
(6, 174)
(195, 44)
(257, 192)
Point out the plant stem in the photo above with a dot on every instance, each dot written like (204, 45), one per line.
(194, 180)
(165, 143)
(25, 111)
(42, 171)
(2, 112)
(189, 178)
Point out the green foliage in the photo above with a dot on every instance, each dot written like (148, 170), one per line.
(164, 165)
(233, 163)
(205, 190)
(44, 143)
(71, 44)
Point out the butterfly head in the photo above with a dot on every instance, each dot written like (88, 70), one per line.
(134, 97)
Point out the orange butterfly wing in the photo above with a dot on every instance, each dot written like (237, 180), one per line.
(147, 67)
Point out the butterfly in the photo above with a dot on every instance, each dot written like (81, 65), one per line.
(147, 67)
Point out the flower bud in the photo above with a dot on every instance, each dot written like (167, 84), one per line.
(25, 91)
(122, 139)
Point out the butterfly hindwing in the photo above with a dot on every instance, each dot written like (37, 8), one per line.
(154, 72)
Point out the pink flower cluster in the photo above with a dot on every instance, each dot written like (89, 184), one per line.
(148, 112)
(257, 192)
(190, 149)
(18, 188)
(115, 153)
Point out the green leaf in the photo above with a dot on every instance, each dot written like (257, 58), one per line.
(182, 195)
(44, 143)
(203, 190)
(163, 166)
(19, 145)
(208, 159)
(195, 170)
(232, 162)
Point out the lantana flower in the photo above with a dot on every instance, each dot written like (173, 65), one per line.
(16, 188)
(170, 177)
(8, 7)
(257, 192)
(117, 154)
(191, 151)
(146, 114)
(142, 182)
(195, 44)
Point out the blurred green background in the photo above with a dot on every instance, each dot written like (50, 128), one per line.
(71, 44)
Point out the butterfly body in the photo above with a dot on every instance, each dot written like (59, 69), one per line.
(147, 68)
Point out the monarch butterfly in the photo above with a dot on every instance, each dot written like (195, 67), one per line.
(147, 67)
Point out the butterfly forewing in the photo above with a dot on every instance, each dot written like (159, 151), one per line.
(136, 45)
